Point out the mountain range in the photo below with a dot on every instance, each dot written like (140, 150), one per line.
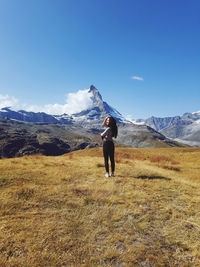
(185, 128)
(91, 116)
(153, 132)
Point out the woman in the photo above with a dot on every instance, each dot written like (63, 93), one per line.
(108, 144)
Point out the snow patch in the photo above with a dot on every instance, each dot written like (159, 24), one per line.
(131, 119)
(197, 112)
(3, 110)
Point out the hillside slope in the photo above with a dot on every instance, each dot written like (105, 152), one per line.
(185, 129)
(143, 136)
(62, 211)
(18, 139)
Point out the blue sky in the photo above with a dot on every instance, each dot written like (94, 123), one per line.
(50, 48)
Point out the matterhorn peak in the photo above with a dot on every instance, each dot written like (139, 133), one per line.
(96, 98)
(92, 88)
(98, 110)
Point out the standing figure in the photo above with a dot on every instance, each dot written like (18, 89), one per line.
(108, 144)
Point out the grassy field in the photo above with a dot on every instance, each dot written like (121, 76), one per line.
(62, 211)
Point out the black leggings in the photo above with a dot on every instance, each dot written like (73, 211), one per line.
(108, 151)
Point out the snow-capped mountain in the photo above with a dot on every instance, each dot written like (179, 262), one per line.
(88, 122)
(162, 123)
(190, 134)
(88, 117)
(98, 111)
(184, 128)
(25, 116)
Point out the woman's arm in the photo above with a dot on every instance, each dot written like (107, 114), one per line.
(104, 123)
(104, 133)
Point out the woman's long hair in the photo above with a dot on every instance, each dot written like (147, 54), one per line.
(113, 126)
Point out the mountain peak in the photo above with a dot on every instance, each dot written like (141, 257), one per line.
(92, 88)
(97, 98)
(98, 109)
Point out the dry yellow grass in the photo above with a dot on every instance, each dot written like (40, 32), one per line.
(61, 211)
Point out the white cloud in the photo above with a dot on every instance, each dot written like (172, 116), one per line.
(7, 101)
(79, 101)
(75, 102)
(137, 78)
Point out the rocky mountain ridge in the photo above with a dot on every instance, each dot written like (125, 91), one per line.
(23, 133)
(87, 118)
(184, 128)
(19, 138)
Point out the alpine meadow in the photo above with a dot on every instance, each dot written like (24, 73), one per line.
(60, 211)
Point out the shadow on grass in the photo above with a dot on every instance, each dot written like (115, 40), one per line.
(147, 177)
(153, 177)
